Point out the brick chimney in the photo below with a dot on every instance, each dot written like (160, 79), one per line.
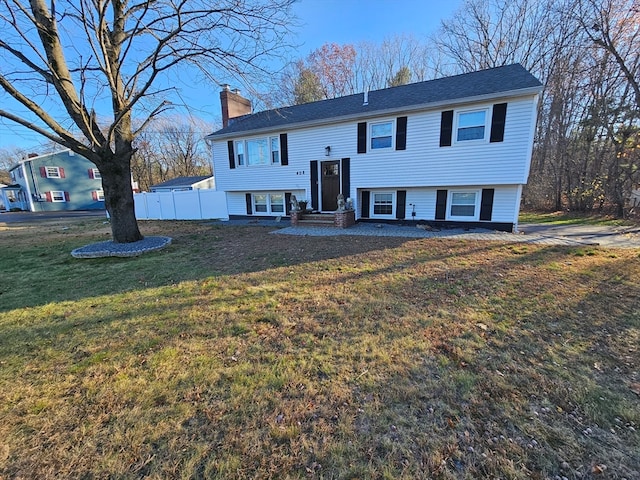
(233, 104)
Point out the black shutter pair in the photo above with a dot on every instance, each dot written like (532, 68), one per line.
(498, 117)
(401, 135)
(486, 204)
(284, 152)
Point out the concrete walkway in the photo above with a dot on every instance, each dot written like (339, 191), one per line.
(569, 235)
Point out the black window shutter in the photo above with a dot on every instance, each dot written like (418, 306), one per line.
(441, 204)
(287, 202)
(346, 177)
(486, 204)
(446, 128)
(497, 122)
(248, 200)
(314, 184)
(401, 208)
(284, 150)
(401, 133)
(364, 209)
(362, 137)
(232, 158)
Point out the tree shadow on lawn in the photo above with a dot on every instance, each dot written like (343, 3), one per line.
(42, 271)
(416, 358)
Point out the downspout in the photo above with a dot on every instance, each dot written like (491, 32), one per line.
(27, 183)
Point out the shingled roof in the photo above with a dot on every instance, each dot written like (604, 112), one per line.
(412, 96)
(181, 181)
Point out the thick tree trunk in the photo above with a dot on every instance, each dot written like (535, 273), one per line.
(118, 199)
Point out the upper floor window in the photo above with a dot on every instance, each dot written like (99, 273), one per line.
(95, 174)
(259, 151)
(471, 125)
(52, 172)
(275, 150)
(381, 135)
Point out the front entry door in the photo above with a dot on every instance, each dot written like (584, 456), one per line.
(330, 185)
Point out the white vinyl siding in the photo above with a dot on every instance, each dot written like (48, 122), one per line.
(422, 169)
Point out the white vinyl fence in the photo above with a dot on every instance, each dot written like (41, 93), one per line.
(186, 205)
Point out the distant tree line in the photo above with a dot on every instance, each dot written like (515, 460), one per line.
(585, 52)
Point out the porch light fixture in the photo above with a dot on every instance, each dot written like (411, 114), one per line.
(327, 150)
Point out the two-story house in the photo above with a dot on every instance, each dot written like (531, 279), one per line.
(455, 150)
(58, 181)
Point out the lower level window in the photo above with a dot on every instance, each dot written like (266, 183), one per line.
(57, 196)
(383, 203)
(463, 204)
(268, 203)
(276, 200)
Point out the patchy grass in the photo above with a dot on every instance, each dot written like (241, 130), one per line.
(571, 218)
(238, 354)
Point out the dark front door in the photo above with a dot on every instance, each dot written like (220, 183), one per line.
(330, 185)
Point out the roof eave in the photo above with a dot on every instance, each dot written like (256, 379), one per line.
(521, 92)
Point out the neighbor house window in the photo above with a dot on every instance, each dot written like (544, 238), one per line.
(383, 203)
(95, 174)
(98, 195)
(471, 125)
(57, 196)
(275, 150)
(53, 172)
(463, 205)
(240, 153)
(381, 135)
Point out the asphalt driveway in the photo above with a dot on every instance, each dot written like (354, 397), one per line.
(22, 217)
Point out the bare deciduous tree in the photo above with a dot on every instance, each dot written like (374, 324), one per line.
(84, 75)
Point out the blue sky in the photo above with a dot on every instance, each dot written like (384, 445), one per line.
(321, 21)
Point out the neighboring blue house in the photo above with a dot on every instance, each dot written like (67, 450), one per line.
(455, 150)
(181, 184)
(57, 181)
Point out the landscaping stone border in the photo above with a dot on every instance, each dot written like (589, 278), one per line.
(113, 249)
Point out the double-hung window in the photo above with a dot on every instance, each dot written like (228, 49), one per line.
(463, 205)
(471, 125)
(268, 203)
(240, 153)
(260, 203)
(57, 196)
(274, 143)
(383, 203)
(381, 135)
(53, 172)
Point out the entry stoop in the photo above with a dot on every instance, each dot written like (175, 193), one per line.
(339, 219)
(317, 220)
